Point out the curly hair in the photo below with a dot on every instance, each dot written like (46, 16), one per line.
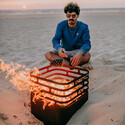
(72, 7)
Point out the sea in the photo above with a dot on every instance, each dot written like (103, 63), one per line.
(42, 11)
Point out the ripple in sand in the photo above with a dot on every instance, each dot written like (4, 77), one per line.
(120, 68)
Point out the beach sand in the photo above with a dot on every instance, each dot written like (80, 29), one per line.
(24, 39)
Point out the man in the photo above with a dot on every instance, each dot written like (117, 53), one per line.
(71, 40)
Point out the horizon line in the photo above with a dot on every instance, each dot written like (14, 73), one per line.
(62, 8)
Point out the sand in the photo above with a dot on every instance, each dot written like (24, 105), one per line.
(24, 39)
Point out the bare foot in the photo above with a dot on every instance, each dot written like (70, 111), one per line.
(88, 67)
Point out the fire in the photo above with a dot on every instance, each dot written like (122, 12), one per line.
(62, 91)
(20, 79)
(23, 79)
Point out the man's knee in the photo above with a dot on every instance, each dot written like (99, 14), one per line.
(86, 58)
(48, 55)
(88, 55)
(51, 55)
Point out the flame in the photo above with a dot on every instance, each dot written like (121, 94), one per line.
(63, 98)
(21, 78)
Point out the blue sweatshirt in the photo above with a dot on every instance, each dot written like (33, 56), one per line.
(72, 38)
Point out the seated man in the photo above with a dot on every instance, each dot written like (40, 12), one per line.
(71, 41)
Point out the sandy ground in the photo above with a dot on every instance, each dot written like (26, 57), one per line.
(23, 40)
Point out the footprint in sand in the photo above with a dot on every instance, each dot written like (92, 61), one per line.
(120, 68)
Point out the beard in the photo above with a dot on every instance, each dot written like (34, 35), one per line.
(71, 22)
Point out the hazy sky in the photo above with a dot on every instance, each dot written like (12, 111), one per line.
(59, 4)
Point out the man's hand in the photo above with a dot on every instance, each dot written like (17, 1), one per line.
(76, 59)
(61, 52)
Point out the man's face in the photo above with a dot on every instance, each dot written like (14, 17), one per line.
(72, 18)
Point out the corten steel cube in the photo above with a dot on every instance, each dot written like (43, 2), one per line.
(65, 105)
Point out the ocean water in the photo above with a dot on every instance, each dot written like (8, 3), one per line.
(43, 11)
(25, 39)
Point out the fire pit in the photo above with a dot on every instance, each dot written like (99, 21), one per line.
(64, 91)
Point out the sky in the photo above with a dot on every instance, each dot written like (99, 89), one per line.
(59, 4)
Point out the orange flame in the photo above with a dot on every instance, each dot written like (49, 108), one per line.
(22, 80)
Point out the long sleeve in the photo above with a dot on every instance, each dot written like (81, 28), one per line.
(58, 36)
(63, 38)
(86, 41)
